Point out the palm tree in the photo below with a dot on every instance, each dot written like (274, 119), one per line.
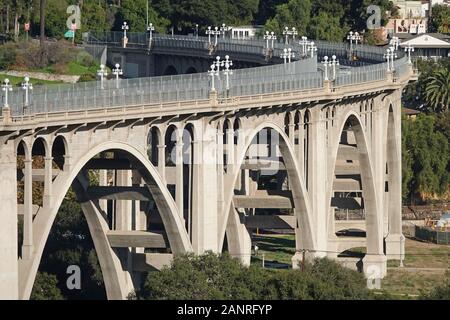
(437, 90)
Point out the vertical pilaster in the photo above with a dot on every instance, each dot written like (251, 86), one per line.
(103, 181)
(162, 161)
(27, 246)
(205, 214)
(179, 187)
(9, 279)
(48, 179)
(123, 207)
(317, 178)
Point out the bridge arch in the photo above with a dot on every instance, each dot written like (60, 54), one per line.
(369, 193)
(191, 70)
(170, 71)
(110, 265)
(303, 211)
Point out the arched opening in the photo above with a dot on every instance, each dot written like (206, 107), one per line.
(133, 228)
(353, 199)
(191, 70)
(153, 142)
(188, 176)
(263, 202)
(59, 148)
(306, 147)
(170, 71)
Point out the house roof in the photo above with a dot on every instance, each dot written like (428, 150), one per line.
(425, 40)
(410, 112)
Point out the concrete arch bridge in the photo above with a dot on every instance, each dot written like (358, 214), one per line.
(182, 168)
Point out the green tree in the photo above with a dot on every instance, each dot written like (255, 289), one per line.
(440, 19)
(45, 287)
(437, 90)
(295, 13)
(429, 154)
(325, 26)
(133, 12)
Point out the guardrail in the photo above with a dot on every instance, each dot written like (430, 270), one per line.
(156, 90)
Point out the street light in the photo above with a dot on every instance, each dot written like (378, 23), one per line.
(395, 42)
(409, 48)
(209, 32)
(227, 63)
(393, 56)
(6, 87)
(288, 33)
(102, 73)
(312, 48)
(212, 73)
(150, 29)
(196, 31)
(117, 71)
(287, 54)
(224, 29)
(353, 37)
(216, 33)
(125, 28)
(26, 86)
(334, 62)
(326, 63)
(303, 42)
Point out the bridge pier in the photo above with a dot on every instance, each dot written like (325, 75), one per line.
(9, 270)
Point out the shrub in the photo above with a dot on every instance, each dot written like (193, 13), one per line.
(8, 54)
(85, 59)
(86, 77)
(213, 276)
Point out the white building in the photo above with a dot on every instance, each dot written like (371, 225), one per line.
(245, 32)
(429, 45)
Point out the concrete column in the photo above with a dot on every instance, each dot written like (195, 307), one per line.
(9, 279)
(47, 200)
(291, 130)
(179, 174)
(395, 244)
(205, 214)
(374, 263)
(220, 171)
(317, 179)
(27, 246)
(138, 216)
(230, 150)
(123, 207)
(103, 181)
(162, 161)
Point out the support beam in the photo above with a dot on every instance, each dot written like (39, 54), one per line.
(136, 239)
(265, 200)
(270, 222)
(119, 193)
(147, 262)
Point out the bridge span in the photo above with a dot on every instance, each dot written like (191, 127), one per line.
(183, 168)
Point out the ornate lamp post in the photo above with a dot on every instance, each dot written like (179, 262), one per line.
(334, 62)
(216, 33)
(393, 56)
(212, 73)
(102, 73)
(209, 32)
(312, 48)
(6, 87)
(326, 63)
(224, 29)
(196, 31)
(150, 29)
(409, 48)
(353, 37)
(303, 42)
(125, 28)
(117, 71)
(227, 63)
(287, 54)
(27, 86)
(395, 42)
(288, 33)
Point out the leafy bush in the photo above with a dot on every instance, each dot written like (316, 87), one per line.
(213, 276)
(86, 77)
(45, 287)
(441, 292)
(85, 59)
(8, 54)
